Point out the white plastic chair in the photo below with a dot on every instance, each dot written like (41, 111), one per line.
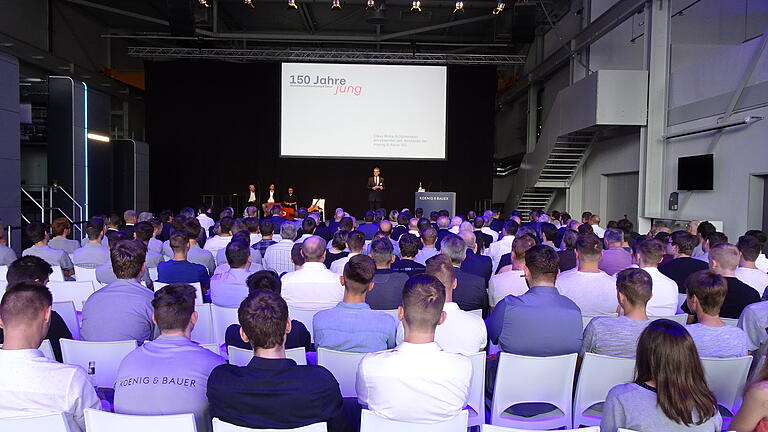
(57, 275)
(3, 272)
(212, 348)
(681, 299)
(681, 319)
(478, 312)
(726, 378)
(492, 428)
(476, 402)
(76, 292)
(220, 426)
(392, 313)
(54, 422)
(47, 349)
(202, 332)
(83, 274)
(241, 357)
(304, 316)
(598, 375)
(585, 319)
(221, 318)
(343, 366)
(522, 379)
(198, 290)
(102, 421)
(66, 310)
(370, 422)
(152, 273)
(730, 321)
(105, 355)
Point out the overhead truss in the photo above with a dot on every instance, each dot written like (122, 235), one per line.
(318, 55)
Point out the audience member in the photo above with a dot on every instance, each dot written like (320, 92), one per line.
(314, 286)
(368, 227)
(129, 216)
(104, 273)
(221, 239)
(567, 252)
(680, 246)
(373, 330)
(266, 227)
(38, 235)
(355, 244)
(663, 302)
(61, 230)
(121, 310)
(702, 230)
(475, 263)
(338, 248)
(409, 247)
(196, 254)
(462, 332)
(168, 375)
(615, 258)
(747, 272)
(511, 281)
(93, 253)
(428, 239)
(504, 244)
(706, 291)
(592, 289)
(594, 222)
(278, 256)
(229, 289)
(471, 290)
(669, 392)
(712, 240)
(143, 232)
(482, 239)
(388, 283)
(272, 391)
(29, 382)
(416, 382)
(548, 234)
(178, 269)
(617, 336)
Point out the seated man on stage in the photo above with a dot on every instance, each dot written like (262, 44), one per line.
(291, 200)
(272, 198)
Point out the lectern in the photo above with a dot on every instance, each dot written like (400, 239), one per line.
(436, 201)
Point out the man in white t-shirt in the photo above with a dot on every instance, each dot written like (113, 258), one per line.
(649, 254)
(592, 289)
(462, 332)
(594, 221)
(511, 278)
(355, 244)
(747, 272)
(206, 222)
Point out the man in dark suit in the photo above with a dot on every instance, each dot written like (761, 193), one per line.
(474, 263)
(443, 229)
(483, 240)
(496, 223)
(471, 290)
(376, 190)
(409, 247)
(402, 226)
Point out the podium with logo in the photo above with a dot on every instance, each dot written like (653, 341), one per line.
(436, 201)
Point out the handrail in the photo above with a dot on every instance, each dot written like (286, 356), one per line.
(56, 186)
(40, 206)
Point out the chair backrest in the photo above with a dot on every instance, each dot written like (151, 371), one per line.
(47, 349)
(681, 319)
(537, 379)
(304, 316)
(220, 426)
(370, 422)
(102, 421)
(76, 292)
(106, 358)
(198, 289)
(492, 428)
(57, 275)
(221, 318)
(152, 273)
(54, 422)
(726, 378)
(598, 375)
(393, 313)
(585, 319)
(343, 366)
(476, 402)
(202, 333)
(212, 348)
(241, 357)
(478, 312)
(730, 321)
(3, 272)
(83, 274)
(66, 309)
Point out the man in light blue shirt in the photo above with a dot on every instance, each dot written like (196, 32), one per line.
(352, 325)
(170, 374)
(229, 289)
(92, 254)
(38, 234)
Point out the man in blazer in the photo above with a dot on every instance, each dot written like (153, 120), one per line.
(376, 190)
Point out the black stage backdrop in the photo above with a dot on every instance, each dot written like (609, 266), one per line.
(214, 127)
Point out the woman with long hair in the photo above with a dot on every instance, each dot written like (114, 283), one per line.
(753, 415)
(669, 392)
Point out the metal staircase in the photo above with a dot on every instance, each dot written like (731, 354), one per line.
(606, 98)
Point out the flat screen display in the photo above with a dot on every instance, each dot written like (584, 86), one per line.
(695, 172)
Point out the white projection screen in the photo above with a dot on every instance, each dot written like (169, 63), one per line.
(361, 111)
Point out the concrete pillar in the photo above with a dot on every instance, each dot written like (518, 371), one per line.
(10, 148)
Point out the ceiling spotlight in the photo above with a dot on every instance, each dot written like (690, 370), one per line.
(292, 4)
(336, 4)
(204, 3)
(416, 6)
(248, 3)
(371, 3)
(499, 7)
(459, 7)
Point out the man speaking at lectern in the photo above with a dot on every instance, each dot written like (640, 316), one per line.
(376, 190)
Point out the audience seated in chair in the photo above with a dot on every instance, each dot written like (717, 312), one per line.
(615, 258)
(169, 374)
(93, 253)
(593, 290)
(355, 243)
(338, 249)
(429, 249)
(229, 288)
(373, 330)
(29, 382)
(196, 254)
(314, 287)
(680, 246)
(121, 310)
(669, 392)
(471, 290)
(143, 232)
(567, 253)
(178, 269)
(511, 279)
(409, 247)
(750, 247)
(278, 256)
(38, 235)
(663, 302)
(503, 245)
(388, 292)
(272, 391)
(240, 231)
(417, 381)
(61, 229)
(222, 239)
(475, 263)
(706, 293)
(617, 336)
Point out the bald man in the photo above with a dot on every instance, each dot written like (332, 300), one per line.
(313, 286)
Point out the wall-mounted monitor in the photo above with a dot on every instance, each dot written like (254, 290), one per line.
(695, 172)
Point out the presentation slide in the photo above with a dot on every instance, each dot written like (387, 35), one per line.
(363, 111)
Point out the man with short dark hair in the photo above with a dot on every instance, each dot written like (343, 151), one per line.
(38, 235)
(703, 230)
(104, 273)
(308, 226)
(511, 279)
(593, 290)
(266, 227)
(355, 244)
(121, 310)
(429, 249)
(143, 232)
(409, 248)
(388, 291)
(416, 382)
(178, 269)
(503, 245)
(222, 239)
(313, 286)
(747, 272)
(29, 382)
(712, 240)
(93, 253)
(541, 322)
(471, 292)
(680, 246)
(369, 227)
(663, 302)
(272, 391)
(373, 330)
(228, 289)
(196, 254)
(168, 375)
